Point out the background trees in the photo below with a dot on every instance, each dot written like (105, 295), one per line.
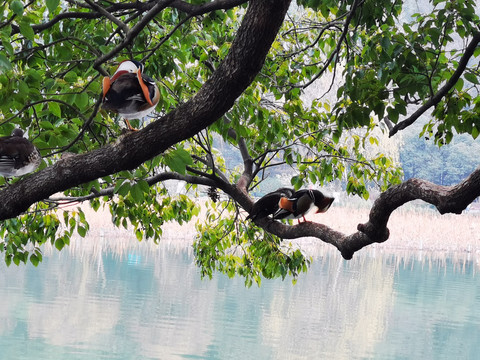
(308, 93)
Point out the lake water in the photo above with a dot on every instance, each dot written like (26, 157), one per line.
(93, 301)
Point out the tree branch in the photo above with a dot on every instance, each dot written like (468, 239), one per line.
(447, 199)
(435, 99)
(151, 181)
(108, 15)
(337, 48)
(133, 32)
(195, 10)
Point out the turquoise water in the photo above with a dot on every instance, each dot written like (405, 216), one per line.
(148, 302)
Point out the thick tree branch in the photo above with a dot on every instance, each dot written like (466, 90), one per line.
(447, 199)
(435, 99)
(254, 38)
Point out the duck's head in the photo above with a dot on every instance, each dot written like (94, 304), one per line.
(127, 66)
(320, 201)
(17, 132)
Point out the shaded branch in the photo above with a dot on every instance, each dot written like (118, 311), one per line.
(337, 48)
(132, 33)
(60, 200)
(195, 10)
(108, 15)
(435, 99)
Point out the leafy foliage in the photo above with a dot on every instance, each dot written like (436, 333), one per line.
(338, 75)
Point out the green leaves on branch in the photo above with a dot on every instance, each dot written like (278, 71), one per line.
(225, 245)
(146, 208)
(24, 236)
(178, 160)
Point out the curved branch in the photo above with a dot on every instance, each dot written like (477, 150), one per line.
(447, 199)
(190, 9)
(435, 99)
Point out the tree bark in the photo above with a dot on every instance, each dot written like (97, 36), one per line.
(247, 54)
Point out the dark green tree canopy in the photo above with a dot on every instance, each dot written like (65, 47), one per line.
(308, 87)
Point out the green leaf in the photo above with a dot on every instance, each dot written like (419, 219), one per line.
(54, 108)
(17, 7)
(34, 260)
(459, 84)
(46, 125)
(137, 193)
(59, 244)
(471, 77)
(52, 5)
(4, 63)
(26, 30)
(123, 189)
(143, 185)
(71, 77)
(81, 100)
(475, 132)
(177, 160)
(7, 45)
(82, 231)
(185, 156)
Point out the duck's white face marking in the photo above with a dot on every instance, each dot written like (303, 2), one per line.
(128, 66)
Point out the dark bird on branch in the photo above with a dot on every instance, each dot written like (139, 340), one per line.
(301, 203)
(18, 156)
(129, 92)
(268, 204)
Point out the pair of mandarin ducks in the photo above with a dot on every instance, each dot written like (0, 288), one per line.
(129, 92)
(285, 203)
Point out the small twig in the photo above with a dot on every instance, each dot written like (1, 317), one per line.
(108, 15)
(434, 100)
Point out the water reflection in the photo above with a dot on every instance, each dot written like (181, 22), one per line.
(119, 299)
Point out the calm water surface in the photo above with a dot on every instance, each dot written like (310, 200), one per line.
(146, 302)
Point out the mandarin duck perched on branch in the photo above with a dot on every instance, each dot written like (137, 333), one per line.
(18, 156)
(269, 204)
(129, 92)
(301, 202)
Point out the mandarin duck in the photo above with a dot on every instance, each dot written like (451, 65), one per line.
(18, 156)
(300, 203)
(268, 204)
(129, 92)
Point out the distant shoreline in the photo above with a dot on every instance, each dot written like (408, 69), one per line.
(410, 229)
